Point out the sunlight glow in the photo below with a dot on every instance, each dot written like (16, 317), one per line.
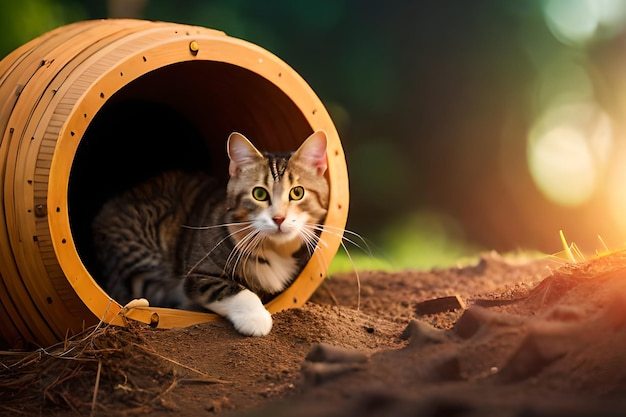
(617, 190)
(567, 152)
(576, 22)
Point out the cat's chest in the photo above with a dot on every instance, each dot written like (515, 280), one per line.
(272, 271)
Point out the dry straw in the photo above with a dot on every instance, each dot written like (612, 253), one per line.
(72, 373)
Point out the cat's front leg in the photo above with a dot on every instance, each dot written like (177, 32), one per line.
(246, 311)
(240, 306)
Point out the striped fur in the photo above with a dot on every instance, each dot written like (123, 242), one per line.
(179, 240)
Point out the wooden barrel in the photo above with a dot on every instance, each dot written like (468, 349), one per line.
(90, 108)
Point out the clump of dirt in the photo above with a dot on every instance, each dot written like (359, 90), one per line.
(535, 337)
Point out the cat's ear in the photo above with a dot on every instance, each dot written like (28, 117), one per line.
(313, 151)
(241, 152)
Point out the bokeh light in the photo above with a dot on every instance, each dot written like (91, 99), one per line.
(577, 22)
(568, 149)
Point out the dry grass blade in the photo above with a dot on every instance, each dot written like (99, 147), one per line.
(206, 377)
(89, 372)
(95, 389)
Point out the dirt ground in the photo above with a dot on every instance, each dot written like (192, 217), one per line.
(501, 337)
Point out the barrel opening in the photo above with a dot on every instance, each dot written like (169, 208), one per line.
(176, 117)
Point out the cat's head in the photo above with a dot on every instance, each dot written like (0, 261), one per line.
(281, 195)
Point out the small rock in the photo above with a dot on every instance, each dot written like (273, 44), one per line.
(476, 319)
(472, 320)
(316, 373)
(439, 305)
(421, 334)
(323, 352)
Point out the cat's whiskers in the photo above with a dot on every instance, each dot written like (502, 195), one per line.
(233, 257)
(313, 242)
(247, 226)
(340, 232)
(214, 226)
(310, 240)
(242, 251)
(249, 251)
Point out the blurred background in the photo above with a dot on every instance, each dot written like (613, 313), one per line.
(467, 126)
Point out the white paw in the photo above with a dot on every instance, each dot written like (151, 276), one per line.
(137, 302)
(246, 312)
(252, 323)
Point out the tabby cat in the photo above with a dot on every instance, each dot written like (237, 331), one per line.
(179, 240)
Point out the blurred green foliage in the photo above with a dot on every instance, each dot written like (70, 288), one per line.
(23, 20)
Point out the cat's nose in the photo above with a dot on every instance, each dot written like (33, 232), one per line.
(278, 220)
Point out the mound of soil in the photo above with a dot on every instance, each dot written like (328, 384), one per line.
(501, 338)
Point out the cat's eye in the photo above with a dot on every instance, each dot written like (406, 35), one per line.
(260, 194)
(296, 193)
